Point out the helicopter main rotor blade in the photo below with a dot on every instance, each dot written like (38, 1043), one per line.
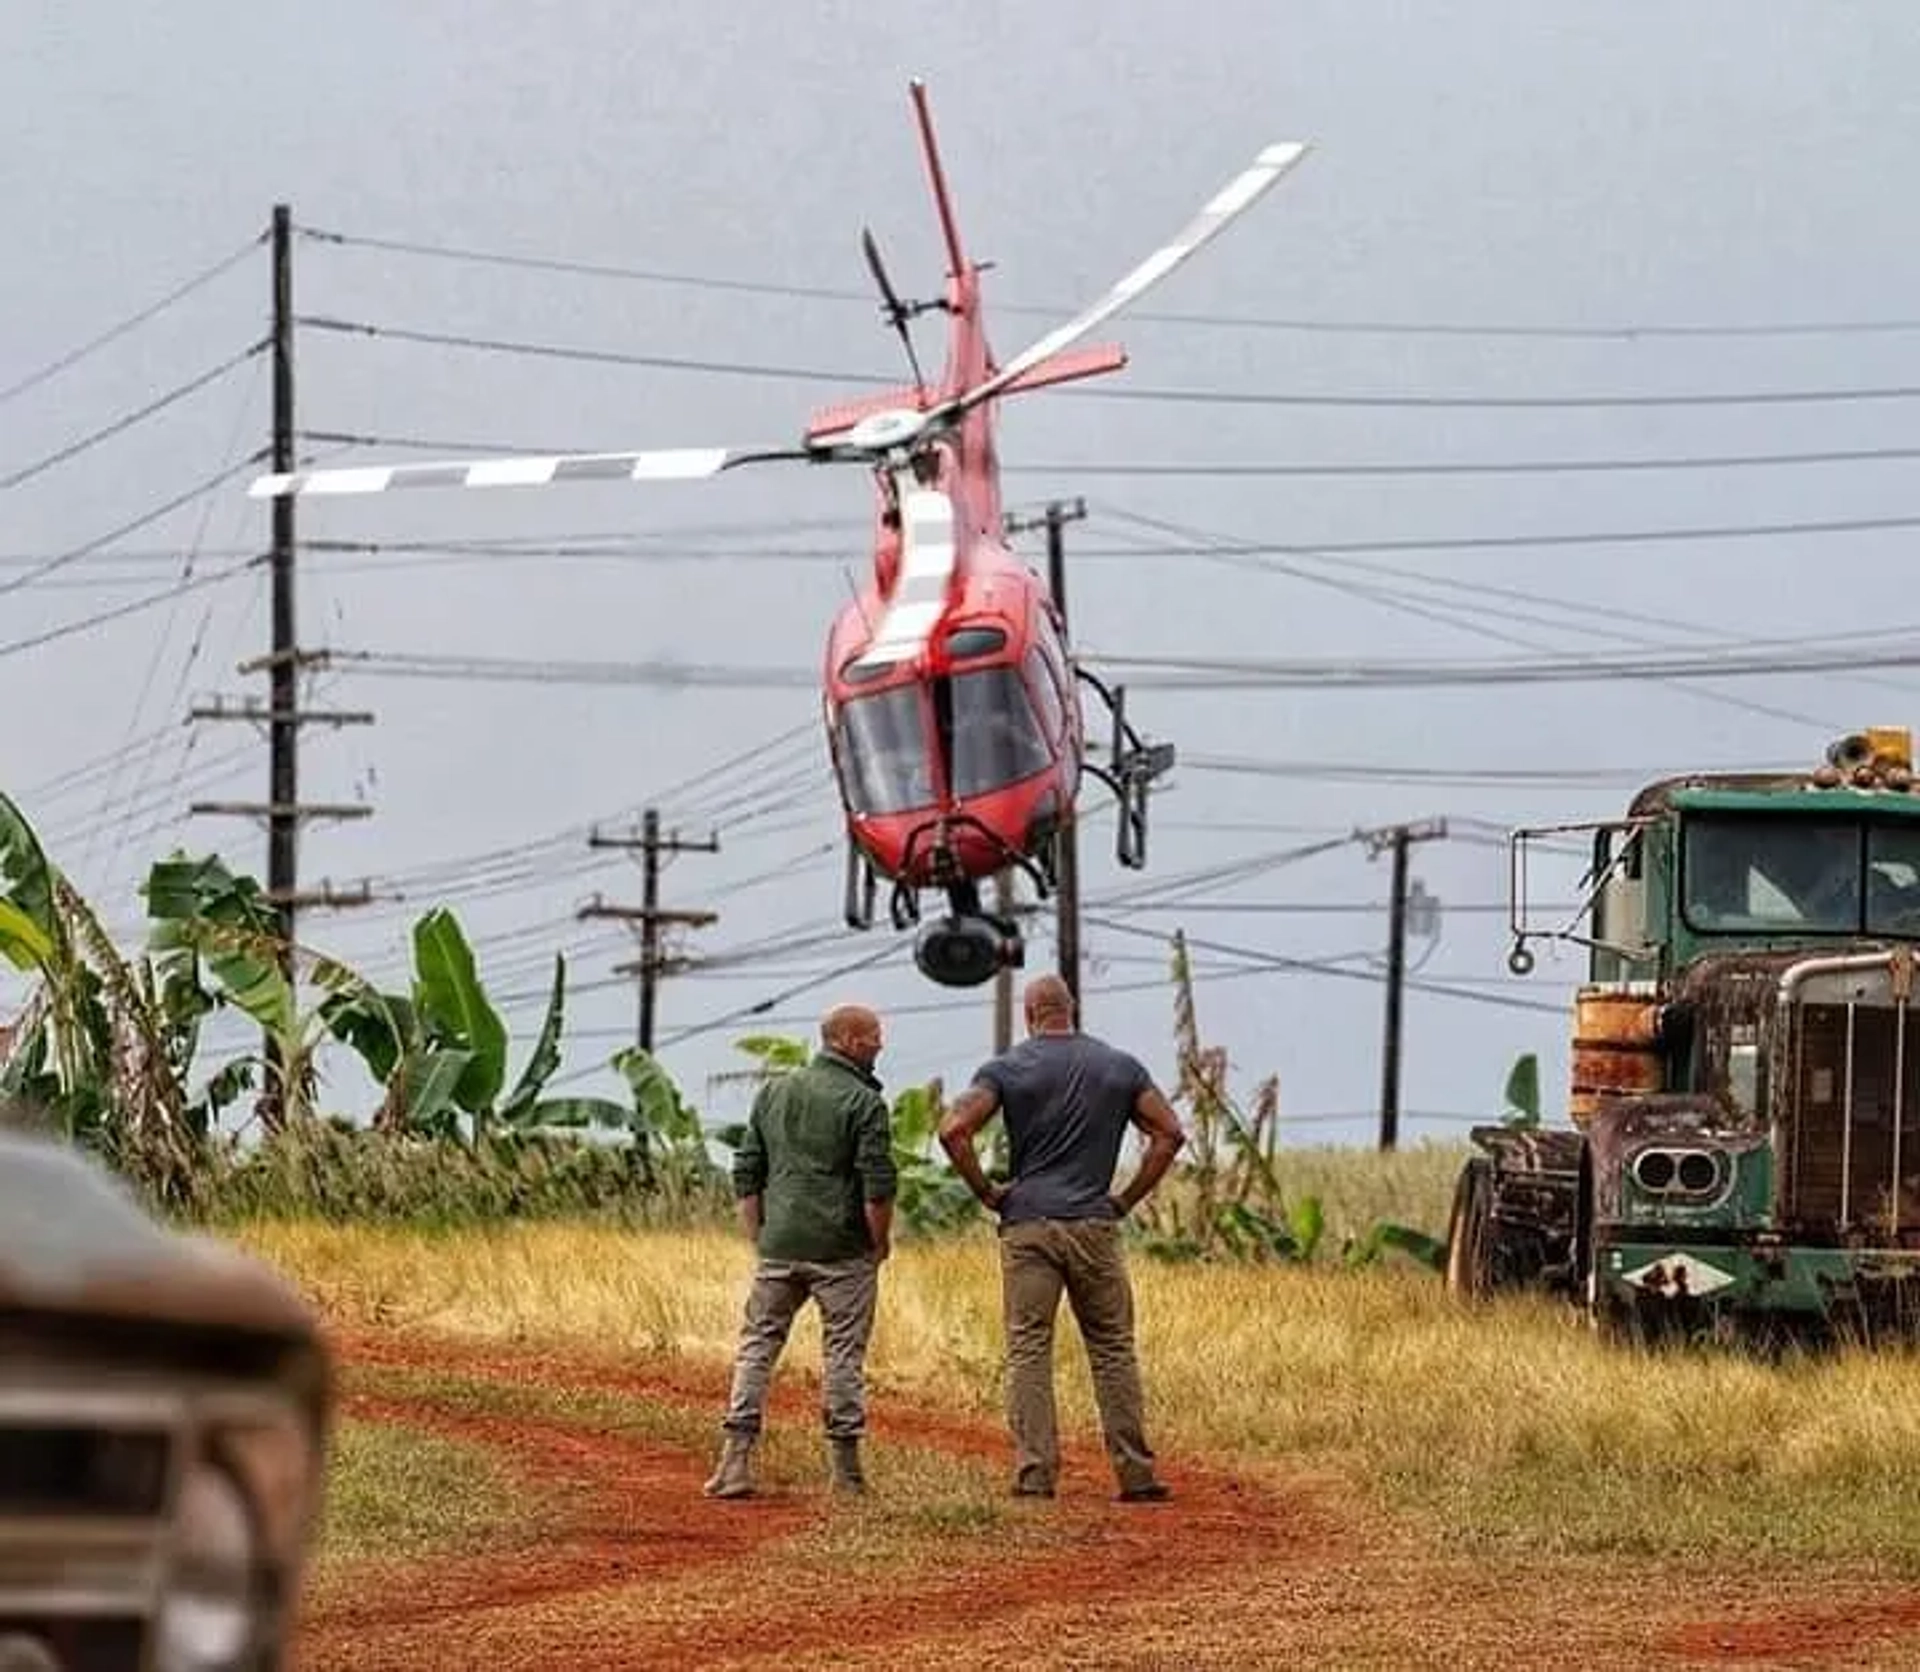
(677, 464)
(1239, 194)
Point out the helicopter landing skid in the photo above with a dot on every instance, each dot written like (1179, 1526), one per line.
(1136, 764)
(966, 947)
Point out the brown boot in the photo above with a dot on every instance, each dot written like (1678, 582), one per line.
(733, 1478)
(848, 1476)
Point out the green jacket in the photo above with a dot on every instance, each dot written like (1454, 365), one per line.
(818, 1146)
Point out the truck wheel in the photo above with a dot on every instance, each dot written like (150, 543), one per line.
(1470, 1233)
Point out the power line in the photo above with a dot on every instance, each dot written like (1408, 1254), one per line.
(139, 415)
(1456, 776)
(745, 1012)
(1193, 397)
(1393, 600)
(134, 321)
(1432, 328)
(1253, 469)
(1195, 673)
(100, 618)
(1231, 674)
(1464, 467)
(1656, 535)
(1312, 966)
(161, 640)
(658, 671)
(49, 565)
(590, 356)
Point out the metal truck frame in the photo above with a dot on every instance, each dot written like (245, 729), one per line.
(164, 1410)
(1743, 1154)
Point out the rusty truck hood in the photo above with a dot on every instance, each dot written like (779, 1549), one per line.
(74, 1240)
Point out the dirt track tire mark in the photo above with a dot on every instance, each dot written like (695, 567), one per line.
(635, 1521)
(644, 1571)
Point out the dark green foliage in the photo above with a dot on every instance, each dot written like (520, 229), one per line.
(1523, 1091)
(333, 1171)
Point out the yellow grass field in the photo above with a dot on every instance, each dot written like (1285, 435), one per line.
(1529, 1461)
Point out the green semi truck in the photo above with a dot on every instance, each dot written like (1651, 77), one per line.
(1742, 1153)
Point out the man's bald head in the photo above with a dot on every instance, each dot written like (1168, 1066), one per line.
(852, 1031)
(1049, 1004)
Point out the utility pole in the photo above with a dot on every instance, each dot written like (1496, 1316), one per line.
(1067, 885)
(283, 731)
(1003, 981)
(648, 915)
(283, 811)
(1396, 839)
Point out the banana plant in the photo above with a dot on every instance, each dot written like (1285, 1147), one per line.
(440, 1051)
(91, 1048)
(207, 917)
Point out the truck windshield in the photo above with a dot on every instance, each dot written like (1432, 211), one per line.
(882, 754)
(1763, 874)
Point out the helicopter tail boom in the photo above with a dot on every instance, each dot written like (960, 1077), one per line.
(937, 177)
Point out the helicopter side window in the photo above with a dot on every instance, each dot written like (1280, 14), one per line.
(882, 753)
(1046, 695)
(996, 739)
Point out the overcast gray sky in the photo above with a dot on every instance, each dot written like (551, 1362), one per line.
(1541, 171)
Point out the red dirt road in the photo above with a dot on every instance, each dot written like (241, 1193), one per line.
(635, 1568)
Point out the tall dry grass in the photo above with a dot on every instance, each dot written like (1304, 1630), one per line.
(1509, 1428)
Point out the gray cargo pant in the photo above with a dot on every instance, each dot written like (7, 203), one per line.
(846, 1292)
(1038, 1260)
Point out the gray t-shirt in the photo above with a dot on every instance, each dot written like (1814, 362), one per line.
(1067, 1100)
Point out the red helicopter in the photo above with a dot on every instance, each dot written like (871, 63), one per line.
(951, 705)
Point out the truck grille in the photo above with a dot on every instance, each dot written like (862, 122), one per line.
(1852, 1125)
(86, 1483)
(76, 1645)
(68, 1469)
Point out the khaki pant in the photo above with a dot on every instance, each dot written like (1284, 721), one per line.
(1039, 1259)
(846, 1291)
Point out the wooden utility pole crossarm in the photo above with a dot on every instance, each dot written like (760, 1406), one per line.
(650, 917)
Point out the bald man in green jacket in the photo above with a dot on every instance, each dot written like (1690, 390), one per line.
(815, 1180)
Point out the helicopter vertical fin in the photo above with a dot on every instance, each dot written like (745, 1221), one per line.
(937, 176)
(919, 596)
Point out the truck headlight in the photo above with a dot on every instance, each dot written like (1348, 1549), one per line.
(207, 1619)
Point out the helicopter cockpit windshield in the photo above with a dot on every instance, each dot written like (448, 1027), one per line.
(984, 719)
(995, 738)
(881, 752)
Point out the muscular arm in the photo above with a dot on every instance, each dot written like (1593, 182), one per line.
(1165, 1139)
(959, 1126)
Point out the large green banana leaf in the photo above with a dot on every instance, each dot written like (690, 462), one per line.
(227, 920)
(457, 1008)
(23, 943)
(522, 1100)
(26, 877)
(657, 1107)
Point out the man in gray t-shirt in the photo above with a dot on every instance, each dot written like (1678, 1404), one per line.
(1068, 1100)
